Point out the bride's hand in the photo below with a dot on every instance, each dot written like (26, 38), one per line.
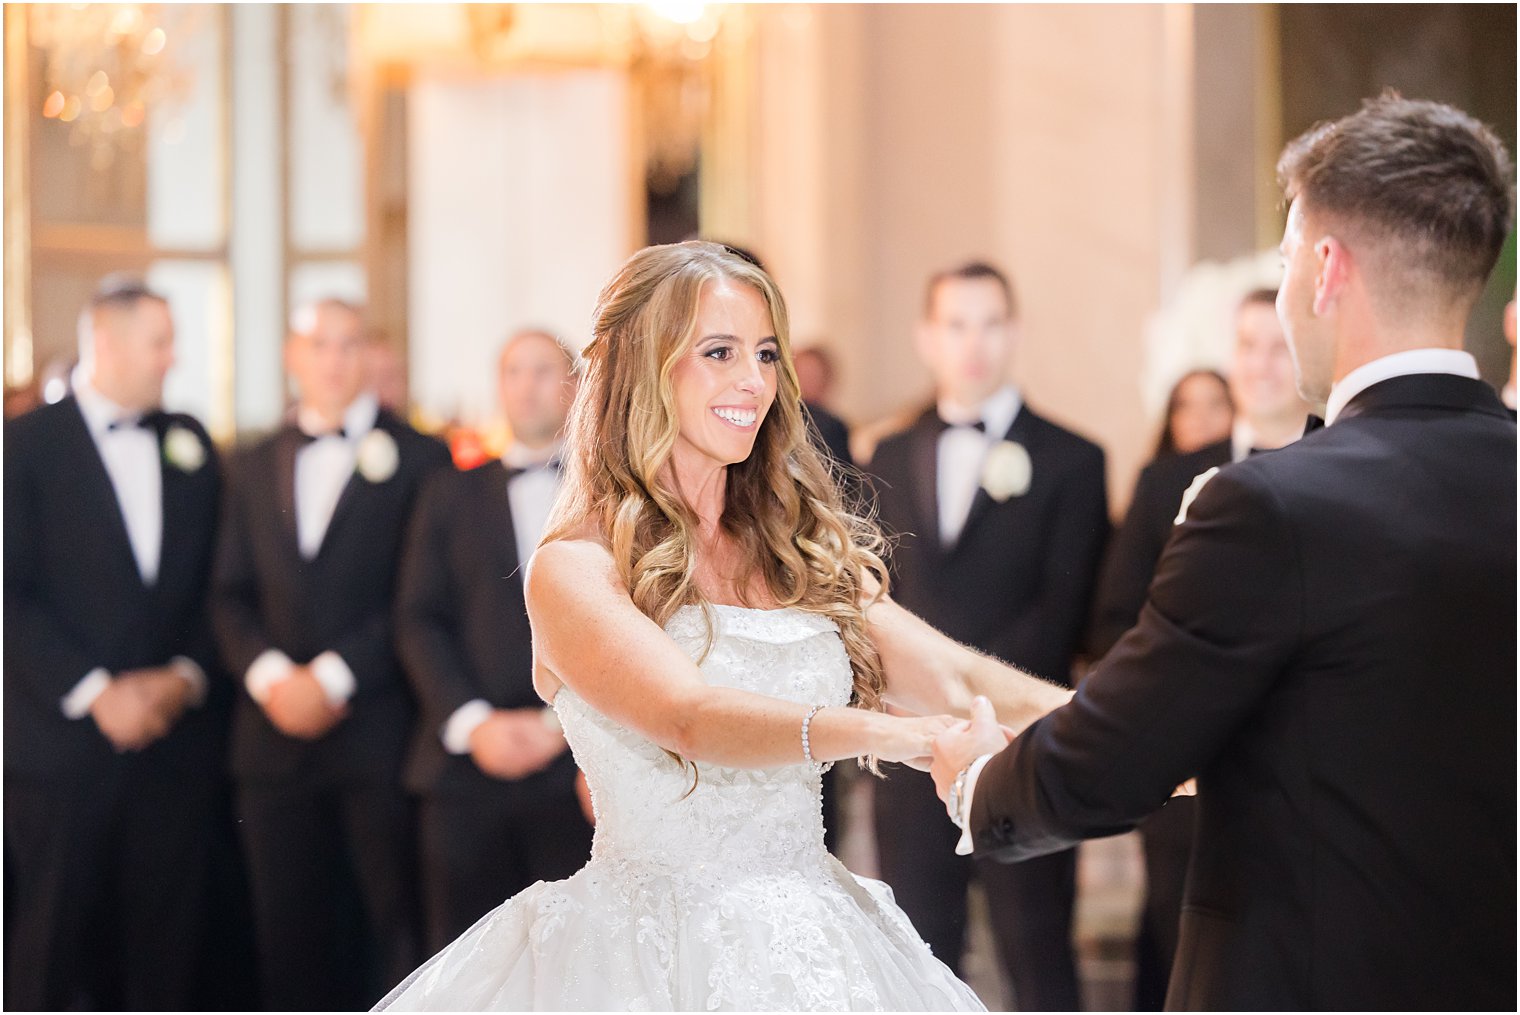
(910, 740)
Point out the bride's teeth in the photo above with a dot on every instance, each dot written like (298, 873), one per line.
(736, 418)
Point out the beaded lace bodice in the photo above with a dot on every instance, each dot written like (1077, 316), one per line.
(718, 896)
(733, 821)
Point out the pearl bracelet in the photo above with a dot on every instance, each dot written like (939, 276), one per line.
(807, 747)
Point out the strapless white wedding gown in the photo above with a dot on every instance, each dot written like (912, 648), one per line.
(722, 898)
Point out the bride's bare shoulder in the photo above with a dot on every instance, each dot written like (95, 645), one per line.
(572, 562)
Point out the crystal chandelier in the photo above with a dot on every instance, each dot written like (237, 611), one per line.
(105, 67)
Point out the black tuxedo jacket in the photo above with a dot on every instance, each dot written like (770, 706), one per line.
(266, 595)
(1329, 646)
(74, 599)
(1018, 581)
(462, 627)
(1130, 563)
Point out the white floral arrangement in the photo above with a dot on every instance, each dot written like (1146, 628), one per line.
(183, 449)
(378, 456)
(1007, 471)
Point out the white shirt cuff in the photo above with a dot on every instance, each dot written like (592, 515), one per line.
(336, 678)
(190, 672)
(964, 846)
(463, 723)
(77, 703)
(271, 667)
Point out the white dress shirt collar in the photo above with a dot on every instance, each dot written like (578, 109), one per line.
(1399, 364)
(1242, 439)
(99, 411)
(520, 456)
(997, 413)
(358, 419)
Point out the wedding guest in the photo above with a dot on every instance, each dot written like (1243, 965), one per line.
(1199, 412)
(1002, 516)
(302, 605)
(499, 807)
(1329, 642)
(815, 374)
(113, 734)
(1270, 414)
(385, 372)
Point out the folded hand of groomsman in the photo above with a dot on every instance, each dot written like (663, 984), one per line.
(299, 707)
(140, 706)
(515, 743)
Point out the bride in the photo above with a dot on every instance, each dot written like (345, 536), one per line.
(710, 625)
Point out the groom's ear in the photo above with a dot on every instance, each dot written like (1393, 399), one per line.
(1334, 266)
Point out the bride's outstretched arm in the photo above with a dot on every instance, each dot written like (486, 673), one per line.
(590, 636)
(928, 672)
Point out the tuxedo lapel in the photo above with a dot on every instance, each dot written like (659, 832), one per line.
(343, 508)
(981, 502)
(97, 494)
(498, 519)
(355, 490)
(924, 468)
(178, 488)
(285, 450)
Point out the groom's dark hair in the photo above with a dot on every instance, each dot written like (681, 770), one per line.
(1426, 183)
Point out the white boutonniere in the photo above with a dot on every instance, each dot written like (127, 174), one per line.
(183, 449)
(377, 457)
(1007, 471)
(1192, 492)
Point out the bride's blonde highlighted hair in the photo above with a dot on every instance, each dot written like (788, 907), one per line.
(781, 504)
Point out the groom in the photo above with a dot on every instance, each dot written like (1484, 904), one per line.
(1329, 643)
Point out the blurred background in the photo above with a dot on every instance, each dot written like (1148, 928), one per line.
(464, 169)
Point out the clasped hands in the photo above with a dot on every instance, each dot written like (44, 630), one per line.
(300, 708)
(139, 706)
(958, 747)
(965, 741)
(513, 743)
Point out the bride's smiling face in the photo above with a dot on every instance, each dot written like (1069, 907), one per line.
(725, 381)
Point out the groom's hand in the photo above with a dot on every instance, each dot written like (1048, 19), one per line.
(956, 748)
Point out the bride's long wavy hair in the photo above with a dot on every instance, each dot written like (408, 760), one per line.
(781, 504)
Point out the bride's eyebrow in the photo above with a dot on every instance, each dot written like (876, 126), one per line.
(734, 338)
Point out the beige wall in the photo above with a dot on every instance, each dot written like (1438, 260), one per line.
(1055, 141)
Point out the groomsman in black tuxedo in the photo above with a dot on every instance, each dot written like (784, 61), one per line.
(1002, 516)
(113, 749)
(1269, 414)
(497, 781)
(1329, 643)
(303, 599)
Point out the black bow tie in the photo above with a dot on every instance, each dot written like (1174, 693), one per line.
(513, 471)
(945, 424)
(151, 420)
(312, 438)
